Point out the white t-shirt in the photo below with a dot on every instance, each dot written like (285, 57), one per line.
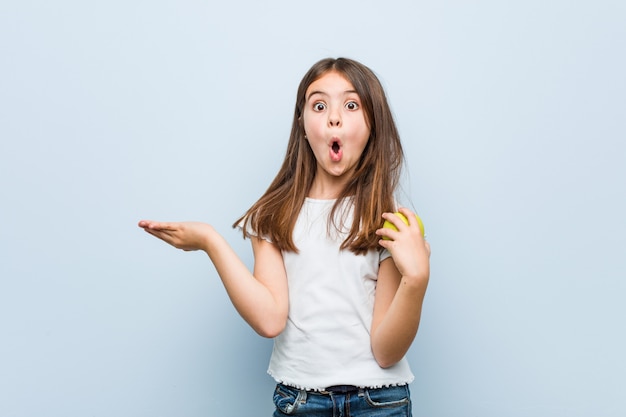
(326, 340)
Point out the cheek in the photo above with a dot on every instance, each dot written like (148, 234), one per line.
(360, 127)
(364, 134)
(311, 126)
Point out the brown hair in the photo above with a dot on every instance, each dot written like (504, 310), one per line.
(372, 186)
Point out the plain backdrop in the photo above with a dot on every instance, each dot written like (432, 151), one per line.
(513, 118)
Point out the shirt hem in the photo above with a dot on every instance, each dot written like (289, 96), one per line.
(296, 385)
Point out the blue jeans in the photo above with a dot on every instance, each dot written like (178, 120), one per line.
(363, 402)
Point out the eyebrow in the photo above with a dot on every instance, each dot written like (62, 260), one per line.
(325, 94)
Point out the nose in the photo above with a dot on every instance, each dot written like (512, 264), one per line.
(334, 118)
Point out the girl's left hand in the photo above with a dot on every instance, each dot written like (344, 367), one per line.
(410, 252)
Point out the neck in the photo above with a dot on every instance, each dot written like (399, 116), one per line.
(325, 187)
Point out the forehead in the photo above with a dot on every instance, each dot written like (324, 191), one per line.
(330, 83)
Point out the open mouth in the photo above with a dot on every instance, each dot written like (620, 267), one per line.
(336, 152)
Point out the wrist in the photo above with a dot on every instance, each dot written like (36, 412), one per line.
(210, 240)
(414, 282)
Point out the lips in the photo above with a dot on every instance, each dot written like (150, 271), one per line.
(335, 150)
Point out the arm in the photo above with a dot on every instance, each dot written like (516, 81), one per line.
(400, 290)
(260, 298)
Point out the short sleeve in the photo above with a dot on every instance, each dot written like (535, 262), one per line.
(249, 231)
(383, 254)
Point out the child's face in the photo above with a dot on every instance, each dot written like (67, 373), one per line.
(335, 125)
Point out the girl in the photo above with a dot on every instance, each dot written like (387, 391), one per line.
(342, 303)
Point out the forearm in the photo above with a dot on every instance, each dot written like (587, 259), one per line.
(251, 298)
(393, 336)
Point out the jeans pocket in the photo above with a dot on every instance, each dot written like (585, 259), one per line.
(388, 397)
(287, 399)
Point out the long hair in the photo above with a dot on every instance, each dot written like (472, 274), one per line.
(371, 187)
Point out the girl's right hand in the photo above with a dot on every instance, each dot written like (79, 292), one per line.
(182, 235)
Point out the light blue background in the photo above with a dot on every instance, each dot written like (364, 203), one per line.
(513, 116)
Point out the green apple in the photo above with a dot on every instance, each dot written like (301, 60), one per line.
(390, 225)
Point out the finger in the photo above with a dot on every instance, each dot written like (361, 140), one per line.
(406, 211)
(167, 237)
(144, 223)
(394, 219)
(413, 221)
(164, 235)
(150, 224)
(388, 233)
(408, 214)
(155, 233)
(163, 226)
(387, 244)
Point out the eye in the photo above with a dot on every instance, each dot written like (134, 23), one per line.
(352, 105)
(319, 106)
